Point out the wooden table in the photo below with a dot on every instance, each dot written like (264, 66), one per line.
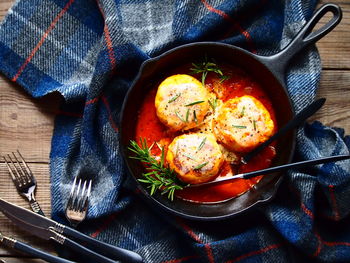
(27, 123)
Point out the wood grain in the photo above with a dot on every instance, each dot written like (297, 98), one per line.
(27, 123)
(334, 48)
(9, 193)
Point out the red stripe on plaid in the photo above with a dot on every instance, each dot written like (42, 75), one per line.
(104, 225)
(42, 40)
(302, 205)
(114, 126)
(307, 211)
(92, 101)
(255, 253)
(319, 247)
(196, 238)
(334, 203)
(108, 38)
(180, 259)
(235, 24)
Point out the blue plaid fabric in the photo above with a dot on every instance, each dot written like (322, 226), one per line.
(90, 51)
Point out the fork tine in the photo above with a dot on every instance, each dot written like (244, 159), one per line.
(13, 176)
(16, 173)
(87, 196)
(70, 198)
(76, 196)
(27, 169)
(25, 178)
(81, 198)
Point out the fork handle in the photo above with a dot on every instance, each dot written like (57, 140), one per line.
(36, 207)
(104, 248)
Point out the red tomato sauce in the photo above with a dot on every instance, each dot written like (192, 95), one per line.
(238, 84)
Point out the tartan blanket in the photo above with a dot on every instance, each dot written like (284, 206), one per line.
(90, 50)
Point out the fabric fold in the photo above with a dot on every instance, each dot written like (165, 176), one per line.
(90, 51)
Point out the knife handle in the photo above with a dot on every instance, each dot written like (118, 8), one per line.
(33, 251)
(104, 248)
(91, 255)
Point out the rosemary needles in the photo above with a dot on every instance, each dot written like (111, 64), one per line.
(159, 177)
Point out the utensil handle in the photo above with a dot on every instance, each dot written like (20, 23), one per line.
(36, 207)
(275, 169)
(38, 253)
(104, 248)
(306, 36)
(296, 121)
(294, 165)
(91, 255)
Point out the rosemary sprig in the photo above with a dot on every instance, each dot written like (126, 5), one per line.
(201, 144)
(194, 103)
(195, 116)
(159, 176)
(200, 166)
(254, 124)
(204, 68)
(213, 104)
(178, 115)
(174, 98)
(239, 126)
(243, 111)
(187, 115)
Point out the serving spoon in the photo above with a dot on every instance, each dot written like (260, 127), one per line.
(274, 169)
(296, 121)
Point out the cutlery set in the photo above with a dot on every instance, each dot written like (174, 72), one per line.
(96, 251)
(37, 224)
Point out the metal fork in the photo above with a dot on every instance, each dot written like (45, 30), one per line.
(78, 201)
(23, 179)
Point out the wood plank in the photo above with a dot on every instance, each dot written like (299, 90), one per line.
(4, 7)
(334, 48)
(26, 123)
(335, 87)
(9, 193)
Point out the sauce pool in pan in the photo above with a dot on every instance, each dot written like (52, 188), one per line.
(223, 88)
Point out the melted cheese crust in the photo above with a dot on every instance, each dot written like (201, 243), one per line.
(243, 123)
(196, 157)
(173, 102)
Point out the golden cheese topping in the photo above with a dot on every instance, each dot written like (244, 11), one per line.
(196, 157)
(181, 102)
(243, 123)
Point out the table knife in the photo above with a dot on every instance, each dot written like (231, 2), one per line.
(22, 247)
(51, 230)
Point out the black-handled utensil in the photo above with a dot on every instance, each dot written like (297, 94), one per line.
(296, 121)
(275, 169)
(49, 229)
(31, 251)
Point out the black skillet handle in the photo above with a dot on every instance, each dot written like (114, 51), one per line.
(306, 36)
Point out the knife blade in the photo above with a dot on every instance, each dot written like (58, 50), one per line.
(50, 234)
(49, 229)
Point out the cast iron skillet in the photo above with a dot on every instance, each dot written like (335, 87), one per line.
(268, 71)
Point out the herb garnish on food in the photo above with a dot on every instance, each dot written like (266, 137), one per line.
(159, 176)
(178, 115)
(205, 67)
(201, 144)
(213, 103)
(200, 166)
(174, 98)
(239, 126)
(194, 103)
